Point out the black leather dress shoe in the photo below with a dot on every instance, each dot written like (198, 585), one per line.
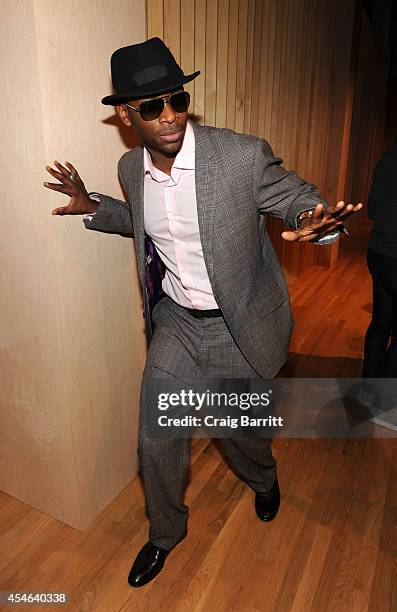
(148, 563)
(267, 504)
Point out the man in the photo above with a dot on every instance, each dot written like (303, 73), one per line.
(197, 199)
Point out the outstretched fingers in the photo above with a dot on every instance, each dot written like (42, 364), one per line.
(62, 169)
(343, 211)
(317, 215)
(349, 210)
(58, 175)
(68, 178)
(74, 175)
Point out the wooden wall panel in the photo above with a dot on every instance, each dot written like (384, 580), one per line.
(71, 327)
(280, 70)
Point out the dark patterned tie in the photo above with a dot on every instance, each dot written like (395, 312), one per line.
(155, 272)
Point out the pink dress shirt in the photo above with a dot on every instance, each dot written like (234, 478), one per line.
(170, 213)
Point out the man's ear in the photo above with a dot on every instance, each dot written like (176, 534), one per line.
(122, 112)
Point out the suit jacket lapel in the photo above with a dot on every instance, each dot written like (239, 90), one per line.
(205, 177)
(137, 209)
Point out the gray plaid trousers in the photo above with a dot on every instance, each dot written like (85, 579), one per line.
(182, 349)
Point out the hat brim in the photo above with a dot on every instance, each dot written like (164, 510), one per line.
(157, 87)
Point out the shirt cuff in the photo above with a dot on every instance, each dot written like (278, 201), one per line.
(298, 219)
(93, 196)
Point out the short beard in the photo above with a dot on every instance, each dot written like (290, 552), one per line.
(169, 155)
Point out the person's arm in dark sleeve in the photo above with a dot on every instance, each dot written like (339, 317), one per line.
(282, 194)
(279, 192)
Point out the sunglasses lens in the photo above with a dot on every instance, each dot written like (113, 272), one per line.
(180, 101)
(151, 109)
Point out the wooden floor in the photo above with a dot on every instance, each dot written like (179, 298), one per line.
(333, 545)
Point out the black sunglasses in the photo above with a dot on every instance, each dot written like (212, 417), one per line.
(151, 109)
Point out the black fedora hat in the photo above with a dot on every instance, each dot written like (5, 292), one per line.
(145, 69)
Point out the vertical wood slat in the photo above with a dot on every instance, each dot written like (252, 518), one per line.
(269, 70)
(321, 87)
(313, 97)
(249, 66)
(304, 90)
(155, 18)
(241, 67)
(172, 26)
(263, 63)
(232, 64)
(292, 110)
(199, 58)
(211, 37)
(187, 45)
(284, 146)
(323, 91)
(222, 57)
(312, 63)
(284, 61)
(257, 35)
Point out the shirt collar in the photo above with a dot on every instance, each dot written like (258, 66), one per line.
(185, 159)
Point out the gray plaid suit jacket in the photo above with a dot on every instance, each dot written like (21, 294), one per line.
(238, 182)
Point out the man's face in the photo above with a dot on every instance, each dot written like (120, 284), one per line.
(164, 134)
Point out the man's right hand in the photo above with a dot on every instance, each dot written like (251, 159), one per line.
(71, 184)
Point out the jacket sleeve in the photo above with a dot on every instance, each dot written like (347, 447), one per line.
(279, 192)
(112, 216)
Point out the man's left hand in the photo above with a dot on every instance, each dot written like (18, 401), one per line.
(322, 221)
